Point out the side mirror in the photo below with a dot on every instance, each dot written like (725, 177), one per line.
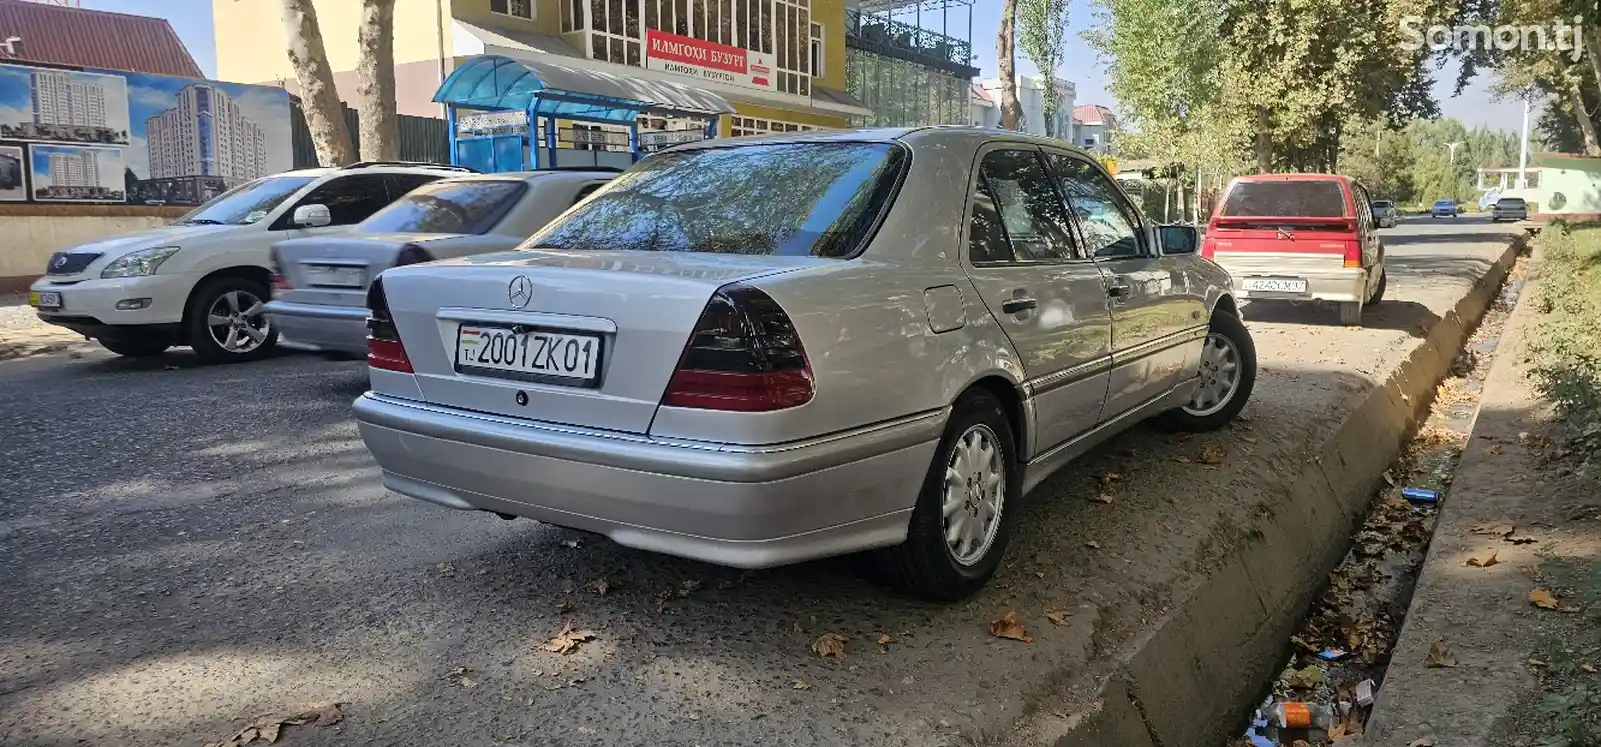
(1178, 239)
(311, 216)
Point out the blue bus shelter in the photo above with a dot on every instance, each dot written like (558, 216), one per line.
(509, 115)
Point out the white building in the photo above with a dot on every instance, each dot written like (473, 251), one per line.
(1030, 96)
(205, 134)
(1093, 126)
(74, 169)
(58, 100)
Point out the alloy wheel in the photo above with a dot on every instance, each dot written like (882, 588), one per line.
(1220, 376)
(237, 322)
(975, 491)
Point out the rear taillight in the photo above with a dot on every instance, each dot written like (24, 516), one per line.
(412, 254)
(275, 273)
(1353, 254)
(384, 349)
(743, 356)
(1208, 246)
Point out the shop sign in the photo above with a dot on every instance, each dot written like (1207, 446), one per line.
(673, 137)
(709, 61)
(486, 122)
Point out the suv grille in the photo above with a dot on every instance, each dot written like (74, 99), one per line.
(69, 263)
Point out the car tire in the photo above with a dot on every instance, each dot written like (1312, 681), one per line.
(232, 299)
(1378, 290)
(1227, 341)
(926, 565)
(136, 348)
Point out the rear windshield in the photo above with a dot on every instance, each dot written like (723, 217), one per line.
(790, 199)
(1510, 202)
(1381, 203)
(1323, 198)
(1445, 203)
(473, 206)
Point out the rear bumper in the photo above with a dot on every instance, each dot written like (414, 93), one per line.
(1335, 286)
(748, 507)
(340, 329)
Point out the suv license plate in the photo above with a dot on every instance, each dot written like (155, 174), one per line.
(537, 355)
(44, 300)
(1275, 285)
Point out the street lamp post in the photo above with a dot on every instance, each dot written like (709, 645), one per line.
(1453, 147)
(1523, 149)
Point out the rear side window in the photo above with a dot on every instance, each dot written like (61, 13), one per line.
(788, 199)
(350, 199)
(1321, 198)
(448, 207)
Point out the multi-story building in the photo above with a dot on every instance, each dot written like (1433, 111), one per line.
(1031, 97)
(904, 70)
(59, 100)
(792, 53)
(206, 134)
(78, 169)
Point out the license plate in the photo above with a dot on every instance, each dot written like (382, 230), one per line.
(45, 300)
(1275, 285)
(558, 357)
(335, 276)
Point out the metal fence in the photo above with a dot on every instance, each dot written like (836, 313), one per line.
(422, 139)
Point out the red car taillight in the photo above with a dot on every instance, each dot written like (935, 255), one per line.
(743, 356)
(384, 349)
(1208, 247)
(1353, 254)
(275, 275)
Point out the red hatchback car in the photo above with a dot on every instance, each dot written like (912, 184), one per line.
(1299, 237)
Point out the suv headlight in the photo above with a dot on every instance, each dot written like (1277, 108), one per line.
(138, 264)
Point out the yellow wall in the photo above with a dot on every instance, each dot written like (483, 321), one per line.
(547, 15)
(831, 13)
(251, 40)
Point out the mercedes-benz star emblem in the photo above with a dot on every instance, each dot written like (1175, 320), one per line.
(520, 292)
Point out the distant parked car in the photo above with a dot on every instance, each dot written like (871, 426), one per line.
(1509, 208)
(728, 352)
(1445, 209)
(202, 281)
(1385, 214)
(1300, 237)
(319, 285)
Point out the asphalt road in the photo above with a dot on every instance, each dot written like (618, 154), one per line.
(186, 548)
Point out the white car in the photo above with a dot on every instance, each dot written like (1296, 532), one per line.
(202, 281)
(319, 285)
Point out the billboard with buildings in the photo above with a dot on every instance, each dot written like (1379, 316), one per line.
(12, 188)
(132, 137)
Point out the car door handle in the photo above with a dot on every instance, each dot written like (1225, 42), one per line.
(1021, 303)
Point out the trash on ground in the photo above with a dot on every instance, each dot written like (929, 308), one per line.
(1364, 693)
(1332, 654)
(1420, 495)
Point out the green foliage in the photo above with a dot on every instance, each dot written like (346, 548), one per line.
(1567, 342)
(1042, 35)
(1413, 165)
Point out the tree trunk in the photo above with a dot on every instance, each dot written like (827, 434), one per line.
(1006, 65)
(1264, 141)
(1592, 145)
(325, 115)
(1592, 50)
(375, 82)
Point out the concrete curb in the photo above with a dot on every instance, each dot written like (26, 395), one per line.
(1185, 683)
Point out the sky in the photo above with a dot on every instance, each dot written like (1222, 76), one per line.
(192, 20)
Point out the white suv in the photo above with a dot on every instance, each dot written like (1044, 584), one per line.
(202, 281)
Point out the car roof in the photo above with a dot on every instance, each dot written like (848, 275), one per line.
(918, 138)
(551, 176)
(1297, 177)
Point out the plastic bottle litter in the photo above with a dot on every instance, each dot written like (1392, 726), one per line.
(1420, 495)
(1300, 716)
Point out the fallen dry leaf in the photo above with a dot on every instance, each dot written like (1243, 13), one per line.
(884, 640)
(689, 586)
(1183, 459)
(1421, 742)
(1212, 454)
(1543, 599)
(467, 682)
(1587, 668)
(1056, 615)
(1300, 743)
(604, 586)
(1008, 627)
(1306, 678)
(568, 639)
(1248, 439)
(1440, 656)
(1107, 478)
(1105, 498)
(268, 730)
(1093, 545)
(1483, 561)
(830, 646)
(802, 685)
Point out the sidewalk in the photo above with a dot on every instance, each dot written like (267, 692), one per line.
(1515, 520)
(22, 334)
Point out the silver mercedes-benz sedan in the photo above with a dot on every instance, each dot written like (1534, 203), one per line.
(759, 351)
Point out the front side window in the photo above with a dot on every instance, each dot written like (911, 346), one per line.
(351, 199)
(473, 206)
(1030, 214)
(793, 199)
(1110, 225)
(248, 202)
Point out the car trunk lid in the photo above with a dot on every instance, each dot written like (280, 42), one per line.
(612, 325)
